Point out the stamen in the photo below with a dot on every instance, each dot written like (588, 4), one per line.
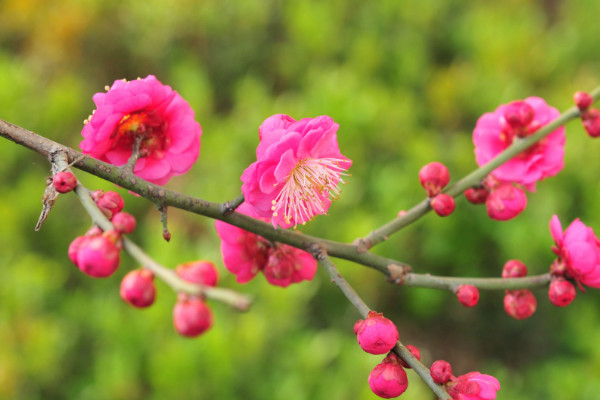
(307, 188)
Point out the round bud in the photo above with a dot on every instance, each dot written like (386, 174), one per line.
(468, 295)
(477, 195)
(191, 316)
(64, 182)
(123, 222)
(376, 334)
(109, 202)
(583, 100)
(505, 202)
(514, 269)
(518, 115)
(440, 371)
(200, 272)
(591, 122)
(561, 292)
(388, 380)
(414, 351)
(443, 204)
(519, 304)
(74, 248)
(137, 288)
(433, 177)
(98, 256)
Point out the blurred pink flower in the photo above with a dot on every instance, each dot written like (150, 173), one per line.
(473, 386)
(170, 136)
(578, 251)
(495, 131)
(245, 254)
(297, 170)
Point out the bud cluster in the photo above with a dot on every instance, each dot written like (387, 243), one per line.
(434, 177)
(472, 386)
(521, 303)
(590, 117)
(503, 200)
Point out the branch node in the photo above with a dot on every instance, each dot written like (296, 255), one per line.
(397, 273)
(362, 245)
(162, 207)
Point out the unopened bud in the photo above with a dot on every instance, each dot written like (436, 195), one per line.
(200, 272)
(137, 288)
(443, 204)
(64, 182)
(468, 295)
(477, 195)
(591, 122)
(561, 292)
(124, 222)
(519, 304)
(514, 269)
(583, 100)
(518, 115)
(433, 177)
(376, 334)
(414, 351)
(440, 371)
(388, 380)
(506, 202)
(191, 316)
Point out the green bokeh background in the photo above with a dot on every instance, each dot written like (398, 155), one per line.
(406, 81)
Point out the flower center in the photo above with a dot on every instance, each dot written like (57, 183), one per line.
(308, 188)
(145, 126)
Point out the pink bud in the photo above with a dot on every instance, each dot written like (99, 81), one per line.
(94, 231)
(591, 122)
(191, 316)
(440, 371)
(388, 380)
(443, 204)
(123, 222)
(376, 334)
(64, 182)
(506, 202)
(200, 272)
(468, 295)
(74, 248)
(98, 256)
(519, 304)
(109, 202)
(414, 351)
(433, 177)
(514, 269)
(477, 195)
(137, 288)
(518, 115)
(561, 292)
(583, 100)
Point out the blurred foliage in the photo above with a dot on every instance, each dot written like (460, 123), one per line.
(405, 80)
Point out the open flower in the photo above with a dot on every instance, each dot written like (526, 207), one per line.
(148, 112)
(245, 254)
(297, 170)
(578, 252)
(496, 131)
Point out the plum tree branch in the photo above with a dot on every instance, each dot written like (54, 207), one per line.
(475, 177)
(363, 310)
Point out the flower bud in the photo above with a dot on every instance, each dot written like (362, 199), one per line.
(388, 379)
(98, 256)
(200, 272)
(414, 351)
(191, 316)
(440, 371)
(433, 177)
(506, 202)
(64, 182)
(518, 115)
(591, 122)
(124, 222)
(443, 204)
(561, 292)
(137, 288)
(468, 295)
(376, 334)
(519, 304)
(477, 195)
(514, 269)
(583, 100)
(109, 202)
(74, 248)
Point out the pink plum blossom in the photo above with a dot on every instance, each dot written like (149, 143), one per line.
(245, 254)
(578, 251)
(147, 110)
(376, 334)
(473, 386)
(497, 130)
(297, 170)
